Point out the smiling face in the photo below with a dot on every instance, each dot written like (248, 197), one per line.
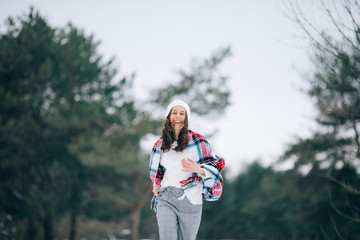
(177, 117)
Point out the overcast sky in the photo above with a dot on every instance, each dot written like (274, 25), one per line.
(155, 38)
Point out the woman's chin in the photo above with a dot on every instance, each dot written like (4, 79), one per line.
(178, 127)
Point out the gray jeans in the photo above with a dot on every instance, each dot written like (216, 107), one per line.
(177, 219)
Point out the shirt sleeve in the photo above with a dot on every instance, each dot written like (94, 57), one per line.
(207, 174)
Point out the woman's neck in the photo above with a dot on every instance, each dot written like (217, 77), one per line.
(177, 132)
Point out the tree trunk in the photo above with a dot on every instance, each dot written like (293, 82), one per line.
(135, 221)
(31, 229)
(73, 220)
(48, 224)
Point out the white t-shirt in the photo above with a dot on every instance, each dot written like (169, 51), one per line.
(171, 160)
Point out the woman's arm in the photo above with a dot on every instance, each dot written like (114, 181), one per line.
(190, 165)
(155, 189)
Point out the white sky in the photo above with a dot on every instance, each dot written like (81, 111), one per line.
(155, 38)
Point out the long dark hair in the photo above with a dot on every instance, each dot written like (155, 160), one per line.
(168, 135)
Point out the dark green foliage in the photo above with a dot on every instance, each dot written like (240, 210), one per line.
(60, 102)
(265, 204)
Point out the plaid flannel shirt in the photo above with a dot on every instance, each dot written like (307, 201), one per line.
(201, 152)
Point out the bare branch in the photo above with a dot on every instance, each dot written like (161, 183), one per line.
(319, 38)
(356, 3)
(341, 212)
(337, 25)
(345, 186)
(356, 26)
(351, 207)
(356, 138)
(323, 231)
(335, 227)
(306, 26)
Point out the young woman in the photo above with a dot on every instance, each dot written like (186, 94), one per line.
(184, 171)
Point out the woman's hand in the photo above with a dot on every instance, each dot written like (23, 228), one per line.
(155, 189)
(191, 166)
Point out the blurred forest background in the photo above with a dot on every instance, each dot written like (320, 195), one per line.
(72, 165)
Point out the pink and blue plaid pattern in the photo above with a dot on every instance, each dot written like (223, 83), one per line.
(198, 146)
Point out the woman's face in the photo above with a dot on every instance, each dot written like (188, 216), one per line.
(177, 117)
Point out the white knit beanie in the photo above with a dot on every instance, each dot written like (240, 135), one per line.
(178, 103)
